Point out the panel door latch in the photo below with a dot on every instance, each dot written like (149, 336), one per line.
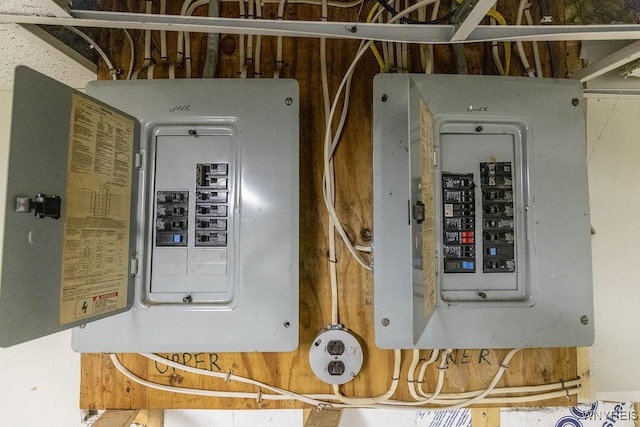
(43, 205)
(419, 212)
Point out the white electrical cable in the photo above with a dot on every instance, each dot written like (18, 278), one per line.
(336, 4)
(536, 52)
(103, 55)
(495, 53)
(249, 62)
(230, 376)
(279, 60)
(566, 389)
(241, 37)
(187, 37)
(132, 50)
(542, 388)
(147, 43)
(395, 379)
(442, 369)
(523, 57)
(412, 368)
(163, 44)
(331, 142)
(504, 365)
(257, 66)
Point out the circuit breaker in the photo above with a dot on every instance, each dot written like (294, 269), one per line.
(481, 213)
(166, 215)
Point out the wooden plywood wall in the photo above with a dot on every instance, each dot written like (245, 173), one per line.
(103, 387)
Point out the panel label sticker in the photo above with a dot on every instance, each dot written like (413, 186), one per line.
(428, 198)
(95, 257)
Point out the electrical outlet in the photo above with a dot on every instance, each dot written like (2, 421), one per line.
(335, 355)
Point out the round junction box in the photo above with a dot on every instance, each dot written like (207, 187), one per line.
(335, 355)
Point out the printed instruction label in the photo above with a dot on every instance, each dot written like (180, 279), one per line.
(95, 257)
(428, 198)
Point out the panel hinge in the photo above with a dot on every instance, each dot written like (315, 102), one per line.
(43, 205)
(435, 159)
(134, 266)
(138, 160)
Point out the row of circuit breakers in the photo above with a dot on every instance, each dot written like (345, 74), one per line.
(496, 210)
(177, 206)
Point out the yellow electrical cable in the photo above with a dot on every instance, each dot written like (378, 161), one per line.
(492, 13)
(374, 49)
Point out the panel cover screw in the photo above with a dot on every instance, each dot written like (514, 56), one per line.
(384, 98)
(575, 102)
(188, 299)
(584, 320)
(385, 322)
(288, 101)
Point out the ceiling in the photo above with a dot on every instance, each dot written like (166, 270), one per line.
(22, 44)
(19, 47)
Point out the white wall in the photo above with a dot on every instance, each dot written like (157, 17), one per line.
(613, 134)
(39, 381)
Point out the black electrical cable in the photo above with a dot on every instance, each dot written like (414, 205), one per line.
(406, 20)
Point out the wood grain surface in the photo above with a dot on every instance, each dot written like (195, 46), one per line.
(103, 387)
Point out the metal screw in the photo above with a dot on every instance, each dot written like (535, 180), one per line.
(192, 132)
(366, 234)
(575, 102)
(288, 101)
(286, 324)
(482, 295)
(188, 299)
(384, 98)
(385, 322)
(317, 343)
(584, 320)
(479, 129)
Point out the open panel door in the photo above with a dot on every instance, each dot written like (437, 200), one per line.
(69, 219)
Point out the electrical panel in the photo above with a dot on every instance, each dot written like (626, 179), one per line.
(177, 207)
(501, 165)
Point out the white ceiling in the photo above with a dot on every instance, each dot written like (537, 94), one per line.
(18, 50)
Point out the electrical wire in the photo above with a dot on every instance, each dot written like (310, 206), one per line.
(412, 368)
(249, 59)
(336, 4)
(331, 142)
(524, 4)
(442, 369)
(241, 51)
(103, 55)
(279, 58)
(534, 44)
(281, 394)
(395, 379)
(495, 15)
(426, 51)
(406, 20)
(132, 50)
(256, 61)
(147, 44)
(374, 49)
(450, 401)
(163, 44)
